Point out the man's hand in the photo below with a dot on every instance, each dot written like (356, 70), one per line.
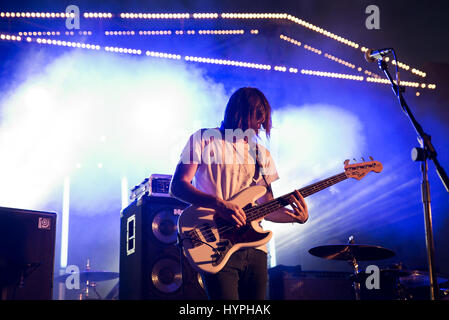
(300, 212)
(231, 212)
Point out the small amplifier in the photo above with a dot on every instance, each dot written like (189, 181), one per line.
(157, 185)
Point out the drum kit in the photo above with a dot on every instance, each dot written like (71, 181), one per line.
(396, 283)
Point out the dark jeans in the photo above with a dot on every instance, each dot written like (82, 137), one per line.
(243, 277)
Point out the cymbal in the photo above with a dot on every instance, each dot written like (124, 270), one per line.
(418, 278)
(361, 252)
(89, 275)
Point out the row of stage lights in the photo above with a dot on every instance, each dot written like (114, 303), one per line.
(332, 75)
(214, 61)
(272, 16)
(62, 43)
(141, 32)
(9, 37)
(404, 83)
(128, 15)
(98, 15)
(340, 61)
(229, 63)
(326, 55)
(53, 33)
(177, 32)
(36, 15)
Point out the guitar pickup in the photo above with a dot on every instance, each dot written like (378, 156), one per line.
(206, 232)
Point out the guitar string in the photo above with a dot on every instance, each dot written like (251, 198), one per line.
(271, 205)
(304, 192)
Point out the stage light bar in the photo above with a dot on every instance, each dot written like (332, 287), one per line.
(400, 65)
(9, 37)
(332, 75)
(129, 15)
(329, 56)
(205, 15)
(403, 83)
(123, 50)
(292, 41)
(321, 31)
(280, 68)
(310, 48)
(188, 32)
(119, 33)
(340, 61)
(419, 73)
(371, 74)
(39, 33)
(229, 62)
(163, 55)
(95, 15)
(36, 15)
(221, 32)
(254, 15)
(66, 43)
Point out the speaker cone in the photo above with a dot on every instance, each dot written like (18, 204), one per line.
(166, 275)
(165, 226)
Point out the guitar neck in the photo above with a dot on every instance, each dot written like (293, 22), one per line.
(260, 211)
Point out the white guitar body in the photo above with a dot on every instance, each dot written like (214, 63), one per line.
(217, 241)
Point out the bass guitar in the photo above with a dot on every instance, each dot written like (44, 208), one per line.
(208, 240)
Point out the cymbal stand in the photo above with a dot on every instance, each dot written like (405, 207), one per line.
(84, 295)
(355, 265)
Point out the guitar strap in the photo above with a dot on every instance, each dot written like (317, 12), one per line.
(257, 172)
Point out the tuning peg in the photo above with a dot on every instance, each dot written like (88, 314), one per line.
(371, 158)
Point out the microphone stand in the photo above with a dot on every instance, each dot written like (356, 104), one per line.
(426, 151)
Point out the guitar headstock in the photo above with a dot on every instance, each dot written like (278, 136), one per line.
(360, 170)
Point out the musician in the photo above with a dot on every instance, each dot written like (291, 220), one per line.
(213, 168)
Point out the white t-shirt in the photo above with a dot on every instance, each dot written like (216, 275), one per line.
(226, 165)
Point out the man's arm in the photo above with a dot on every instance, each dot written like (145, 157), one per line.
(299, 213)
(182, 188)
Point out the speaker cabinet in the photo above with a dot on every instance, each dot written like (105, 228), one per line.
(151, 266)
(290, 283)
(27, 250)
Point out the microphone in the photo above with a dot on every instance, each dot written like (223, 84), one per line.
(375, 55)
